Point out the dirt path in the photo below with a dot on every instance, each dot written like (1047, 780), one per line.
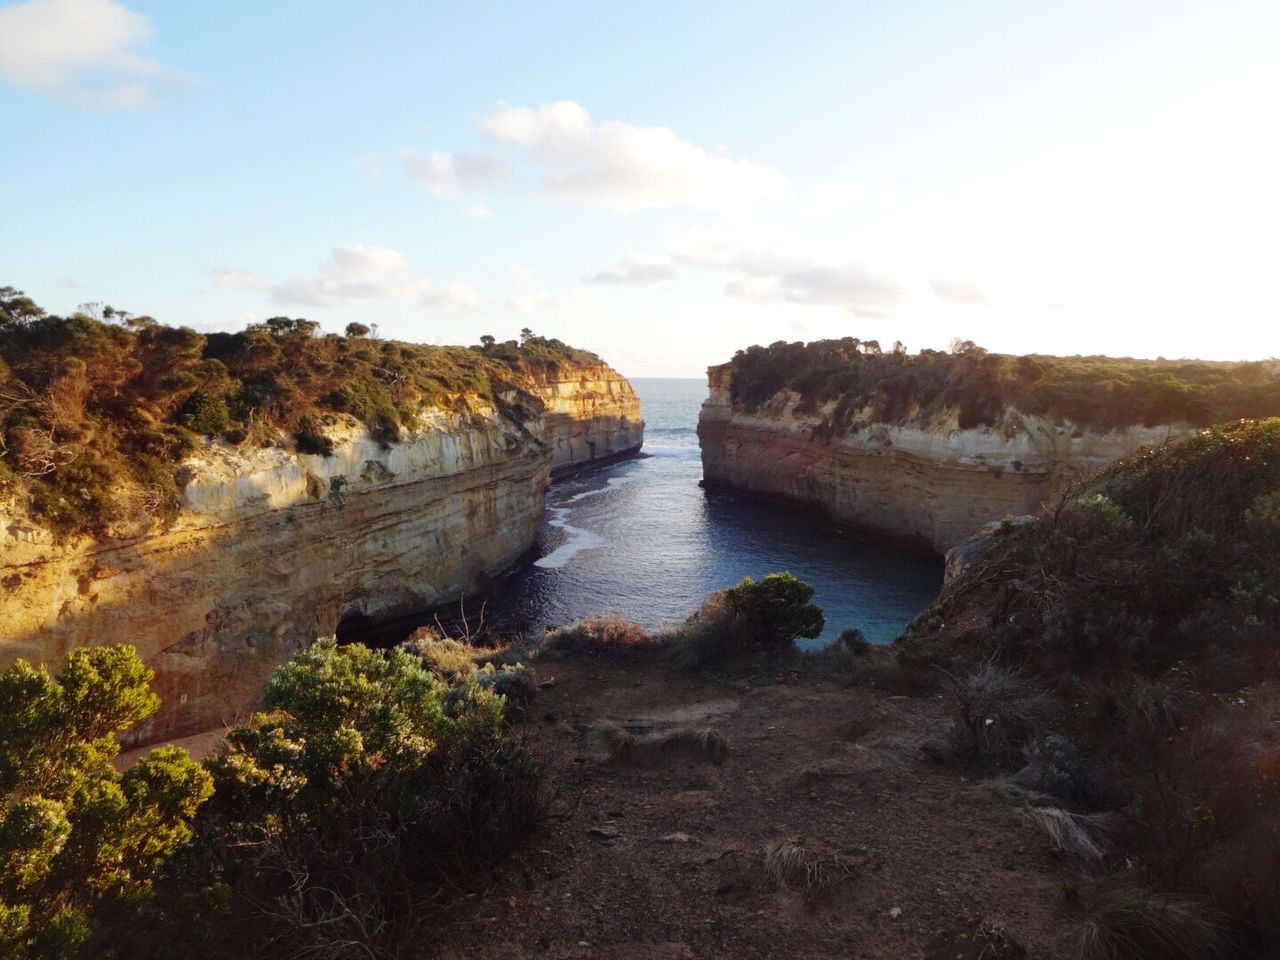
(666, 859)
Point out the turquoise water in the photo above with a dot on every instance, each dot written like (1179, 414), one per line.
(642, 539)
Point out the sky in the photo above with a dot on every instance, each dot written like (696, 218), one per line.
(663, 183)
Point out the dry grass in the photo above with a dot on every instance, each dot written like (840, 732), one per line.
(1078, 835)
(789, 864)
(698, 743)
(608, 635)
(1131, 923)
(450, 660)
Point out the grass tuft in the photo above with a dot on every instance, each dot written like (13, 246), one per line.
(699, 743)
(1132, 923)
(789, 864)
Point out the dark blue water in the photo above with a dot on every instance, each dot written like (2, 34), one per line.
(644, 540)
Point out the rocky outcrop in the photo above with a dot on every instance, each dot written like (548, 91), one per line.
(924, 484)
(274, 548)
(968, 553)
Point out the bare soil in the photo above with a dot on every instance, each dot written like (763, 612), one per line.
(903, 858)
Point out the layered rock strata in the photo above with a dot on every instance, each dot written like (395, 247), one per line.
(592, 415)
(274, 548)
(924, 484)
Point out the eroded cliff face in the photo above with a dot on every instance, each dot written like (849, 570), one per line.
(592, 415)
(273, 548)
(930, 485)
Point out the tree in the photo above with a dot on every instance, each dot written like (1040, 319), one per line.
(487, 341)
(77, 837)
(525, 335)
(283, 326)
(17, 309)
(357, 330)
(777, 608)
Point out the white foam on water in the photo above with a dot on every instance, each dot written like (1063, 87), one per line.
(579, 539)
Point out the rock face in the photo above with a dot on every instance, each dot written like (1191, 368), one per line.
(273, 548)
(592, 415)
(928, 485)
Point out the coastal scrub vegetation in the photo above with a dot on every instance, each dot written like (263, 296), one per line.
(1119, 653)
(98, 408)
(864, 383)
(366, 797)
(81, 844)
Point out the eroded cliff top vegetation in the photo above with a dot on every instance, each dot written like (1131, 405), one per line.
(1093, 392)
(96, 408)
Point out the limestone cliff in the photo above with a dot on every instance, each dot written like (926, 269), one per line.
(272, 548)
(926, 483)
(592, 415)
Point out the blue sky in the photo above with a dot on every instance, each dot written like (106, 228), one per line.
(663, 183)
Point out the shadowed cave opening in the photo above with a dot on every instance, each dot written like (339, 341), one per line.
(355, 626)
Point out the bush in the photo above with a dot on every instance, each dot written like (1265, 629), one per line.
(853, 642)
(81, 842)
(752, 619)
(997, 715)
(608, 635)
(204, 414)
(777, 609)
(311, 439)
(363, 796)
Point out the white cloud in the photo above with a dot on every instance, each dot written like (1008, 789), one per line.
(478, 211)
(854, 286)
(449, 174)
(710, 245)
(68, 283)
(232, 279)
(625, 168)
(772, 269)
(638, 267)
(456, 297)
(354, 272)
(358, 272)
(88, 53)
(570, 302)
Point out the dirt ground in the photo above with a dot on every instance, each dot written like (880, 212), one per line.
(901, 858)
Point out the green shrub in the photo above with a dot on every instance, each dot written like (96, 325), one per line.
(362, 798)
(311, 439)
(204, 414)
(776, 610)
(80, 842)
(751, 619)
